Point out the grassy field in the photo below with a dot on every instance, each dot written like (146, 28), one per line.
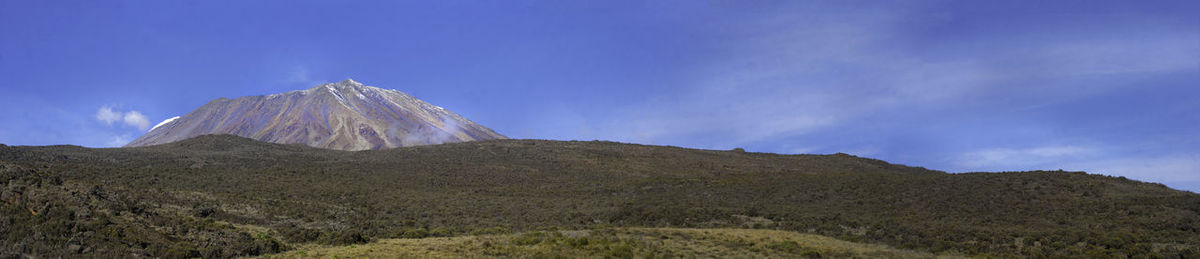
(615, 242)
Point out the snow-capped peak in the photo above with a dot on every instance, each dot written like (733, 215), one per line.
(368, 117)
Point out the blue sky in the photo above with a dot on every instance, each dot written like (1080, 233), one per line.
(1109, 87)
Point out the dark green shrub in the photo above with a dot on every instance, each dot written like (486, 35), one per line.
(440, 232)
(415, 233)
(299, 235)
(619, 250)
(490, 231)
(343, 237)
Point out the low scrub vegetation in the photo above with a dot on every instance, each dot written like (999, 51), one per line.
(221, 196)
(616, 243)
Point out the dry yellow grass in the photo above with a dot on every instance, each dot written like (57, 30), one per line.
(618, 243)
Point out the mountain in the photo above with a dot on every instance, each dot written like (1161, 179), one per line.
(219, 196)
(346, 115)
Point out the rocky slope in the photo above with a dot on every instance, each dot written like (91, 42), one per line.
(346, 115)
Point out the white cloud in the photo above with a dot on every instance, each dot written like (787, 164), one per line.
(107, 115)
(136, 119)
(131, 118)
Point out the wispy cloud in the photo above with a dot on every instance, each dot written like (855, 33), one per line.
(1179, 167)
(738, 118)
(779, 81)
(302, 76)
(1179, 170)
(119, 140)
(1021, 158)
(1176, 170)
(777, 77)
(1146, 53)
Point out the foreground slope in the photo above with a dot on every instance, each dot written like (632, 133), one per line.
(615, 243)
(225, 195)
(346, 115)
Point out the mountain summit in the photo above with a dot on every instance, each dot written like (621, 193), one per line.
(346, 115)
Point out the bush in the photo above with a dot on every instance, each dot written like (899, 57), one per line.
(620, 250)
(529, 238)
(440, 232)
(491, 231)
(299, 235)
(415, 233)
(343, 238)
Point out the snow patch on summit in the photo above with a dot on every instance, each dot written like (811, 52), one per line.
(164, 122)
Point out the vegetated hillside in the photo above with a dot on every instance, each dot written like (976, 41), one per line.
(222, 195)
